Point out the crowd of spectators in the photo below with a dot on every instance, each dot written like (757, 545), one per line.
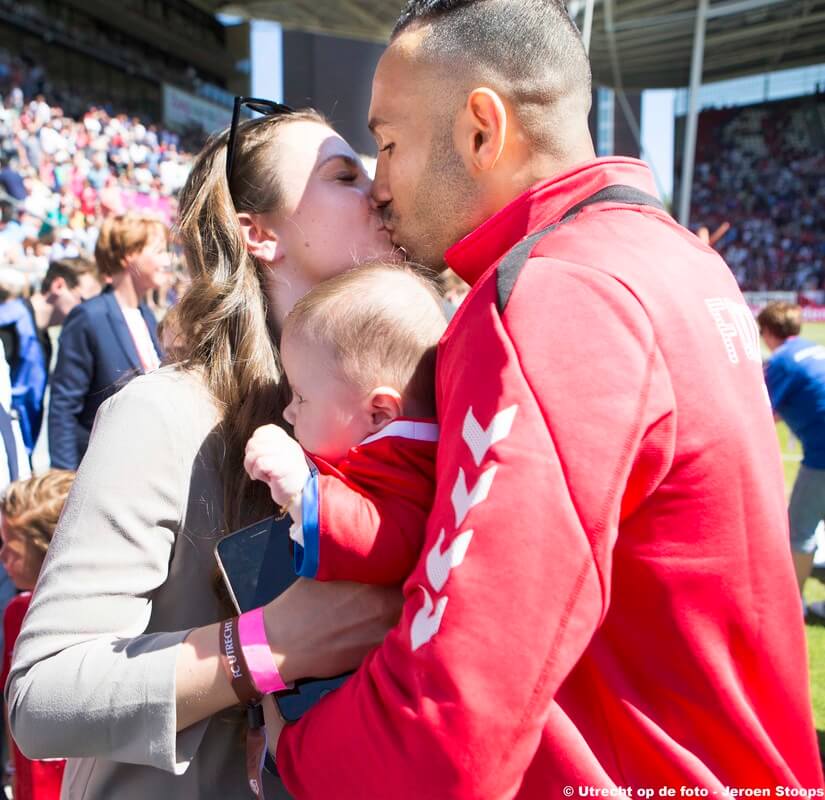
(61, 176)
(762, 169)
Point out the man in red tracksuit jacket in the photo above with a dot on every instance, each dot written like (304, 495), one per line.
(624, 614)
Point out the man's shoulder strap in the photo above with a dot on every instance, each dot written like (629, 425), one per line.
(513, 262)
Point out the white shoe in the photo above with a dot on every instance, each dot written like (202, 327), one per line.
(819, 553)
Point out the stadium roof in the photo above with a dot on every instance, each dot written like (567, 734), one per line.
(652, 38)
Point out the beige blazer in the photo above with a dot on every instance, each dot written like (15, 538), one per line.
(130, 571)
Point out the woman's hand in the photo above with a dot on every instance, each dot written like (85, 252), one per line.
(273, 457)
(321, 629)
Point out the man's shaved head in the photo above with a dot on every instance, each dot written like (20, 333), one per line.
(528, 50)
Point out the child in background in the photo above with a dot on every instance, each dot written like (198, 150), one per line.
(359, 354)
(30, 510)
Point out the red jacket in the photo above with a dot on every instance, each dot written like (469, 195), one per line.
(364, 518)
(605, 596)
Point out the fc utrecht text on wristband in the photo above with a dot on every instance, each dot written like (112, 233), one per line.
(648, 792)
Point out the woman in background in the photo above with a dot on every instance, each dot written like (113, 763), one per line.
(109, 339)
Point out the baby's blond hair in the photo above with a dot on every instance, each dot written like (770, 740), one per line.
(32, 506)
(382, 321)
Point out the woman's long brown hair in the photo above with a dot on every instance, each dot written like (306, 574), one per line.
(223, 315)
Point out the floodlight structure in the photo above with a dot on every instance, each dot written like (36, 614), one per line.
(704, 11)
(692, 122)
(587, 27)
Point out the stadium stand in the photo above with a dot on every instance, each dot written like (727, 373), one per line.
(61, 175)
(762, 169)
(121, 60)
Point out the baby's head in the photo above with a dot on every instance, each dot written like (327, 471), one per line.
(359, 351)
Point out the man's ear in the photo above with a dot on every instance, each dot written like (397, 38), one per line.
(260, 241)
(482, 128)
(58, 285)
(383, 405)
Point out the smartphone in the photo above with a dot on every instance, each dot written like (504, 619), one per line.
(257, 565)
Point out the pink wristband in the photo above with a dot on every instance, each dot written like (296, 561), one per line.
(257, 654)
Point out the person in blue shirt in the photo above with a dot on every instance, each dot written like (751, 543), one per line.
(795, 377)
(11, 181)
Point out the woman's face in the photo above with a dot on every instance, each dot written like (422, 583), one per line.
(20, 558)
(327, 223)
(150, 267)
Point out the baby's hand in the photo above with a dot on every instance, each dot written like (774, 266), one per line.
(277, 460)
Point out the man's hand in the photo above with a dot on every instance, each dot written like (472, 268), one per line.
(274, 722)
(277, 460)
(709, 238)
(321, 629)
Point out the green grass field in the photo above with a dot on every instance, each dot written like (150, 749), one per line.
(815, 588)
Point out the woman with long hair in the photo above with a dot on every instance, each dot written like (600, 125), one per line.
(118, 665)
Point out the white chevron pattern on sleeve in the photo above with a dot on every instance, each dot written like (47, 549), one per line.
(463, 499)
(427, 620)
(439, 564)
(479, 439)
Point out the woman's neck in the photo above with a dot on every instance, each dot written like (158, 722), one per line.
(284, 288)
(125, 291)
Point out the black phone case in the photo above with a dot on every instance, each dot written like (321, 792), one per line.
(257, 565)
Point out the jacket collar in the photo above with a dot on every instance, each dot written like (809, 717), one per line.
(121, 330)
(420, 430)
(541, 205)
(152, 325)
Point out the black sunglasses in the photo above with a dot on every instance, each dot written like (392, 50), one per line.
(268, 107)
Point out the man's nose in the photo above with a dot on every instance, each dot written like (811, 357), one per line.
(380, 193)
(289, 413)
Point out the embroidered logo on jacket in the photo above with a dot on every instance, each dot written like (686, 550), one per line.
(735, 324)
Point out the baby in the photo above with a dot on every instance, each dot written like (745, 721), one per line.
(359, 354)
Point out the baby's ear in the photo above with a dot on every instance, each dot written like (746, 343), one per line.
(384, 406)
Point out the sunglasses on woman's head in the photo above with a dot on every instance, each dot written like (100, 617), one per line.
(267, 107)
